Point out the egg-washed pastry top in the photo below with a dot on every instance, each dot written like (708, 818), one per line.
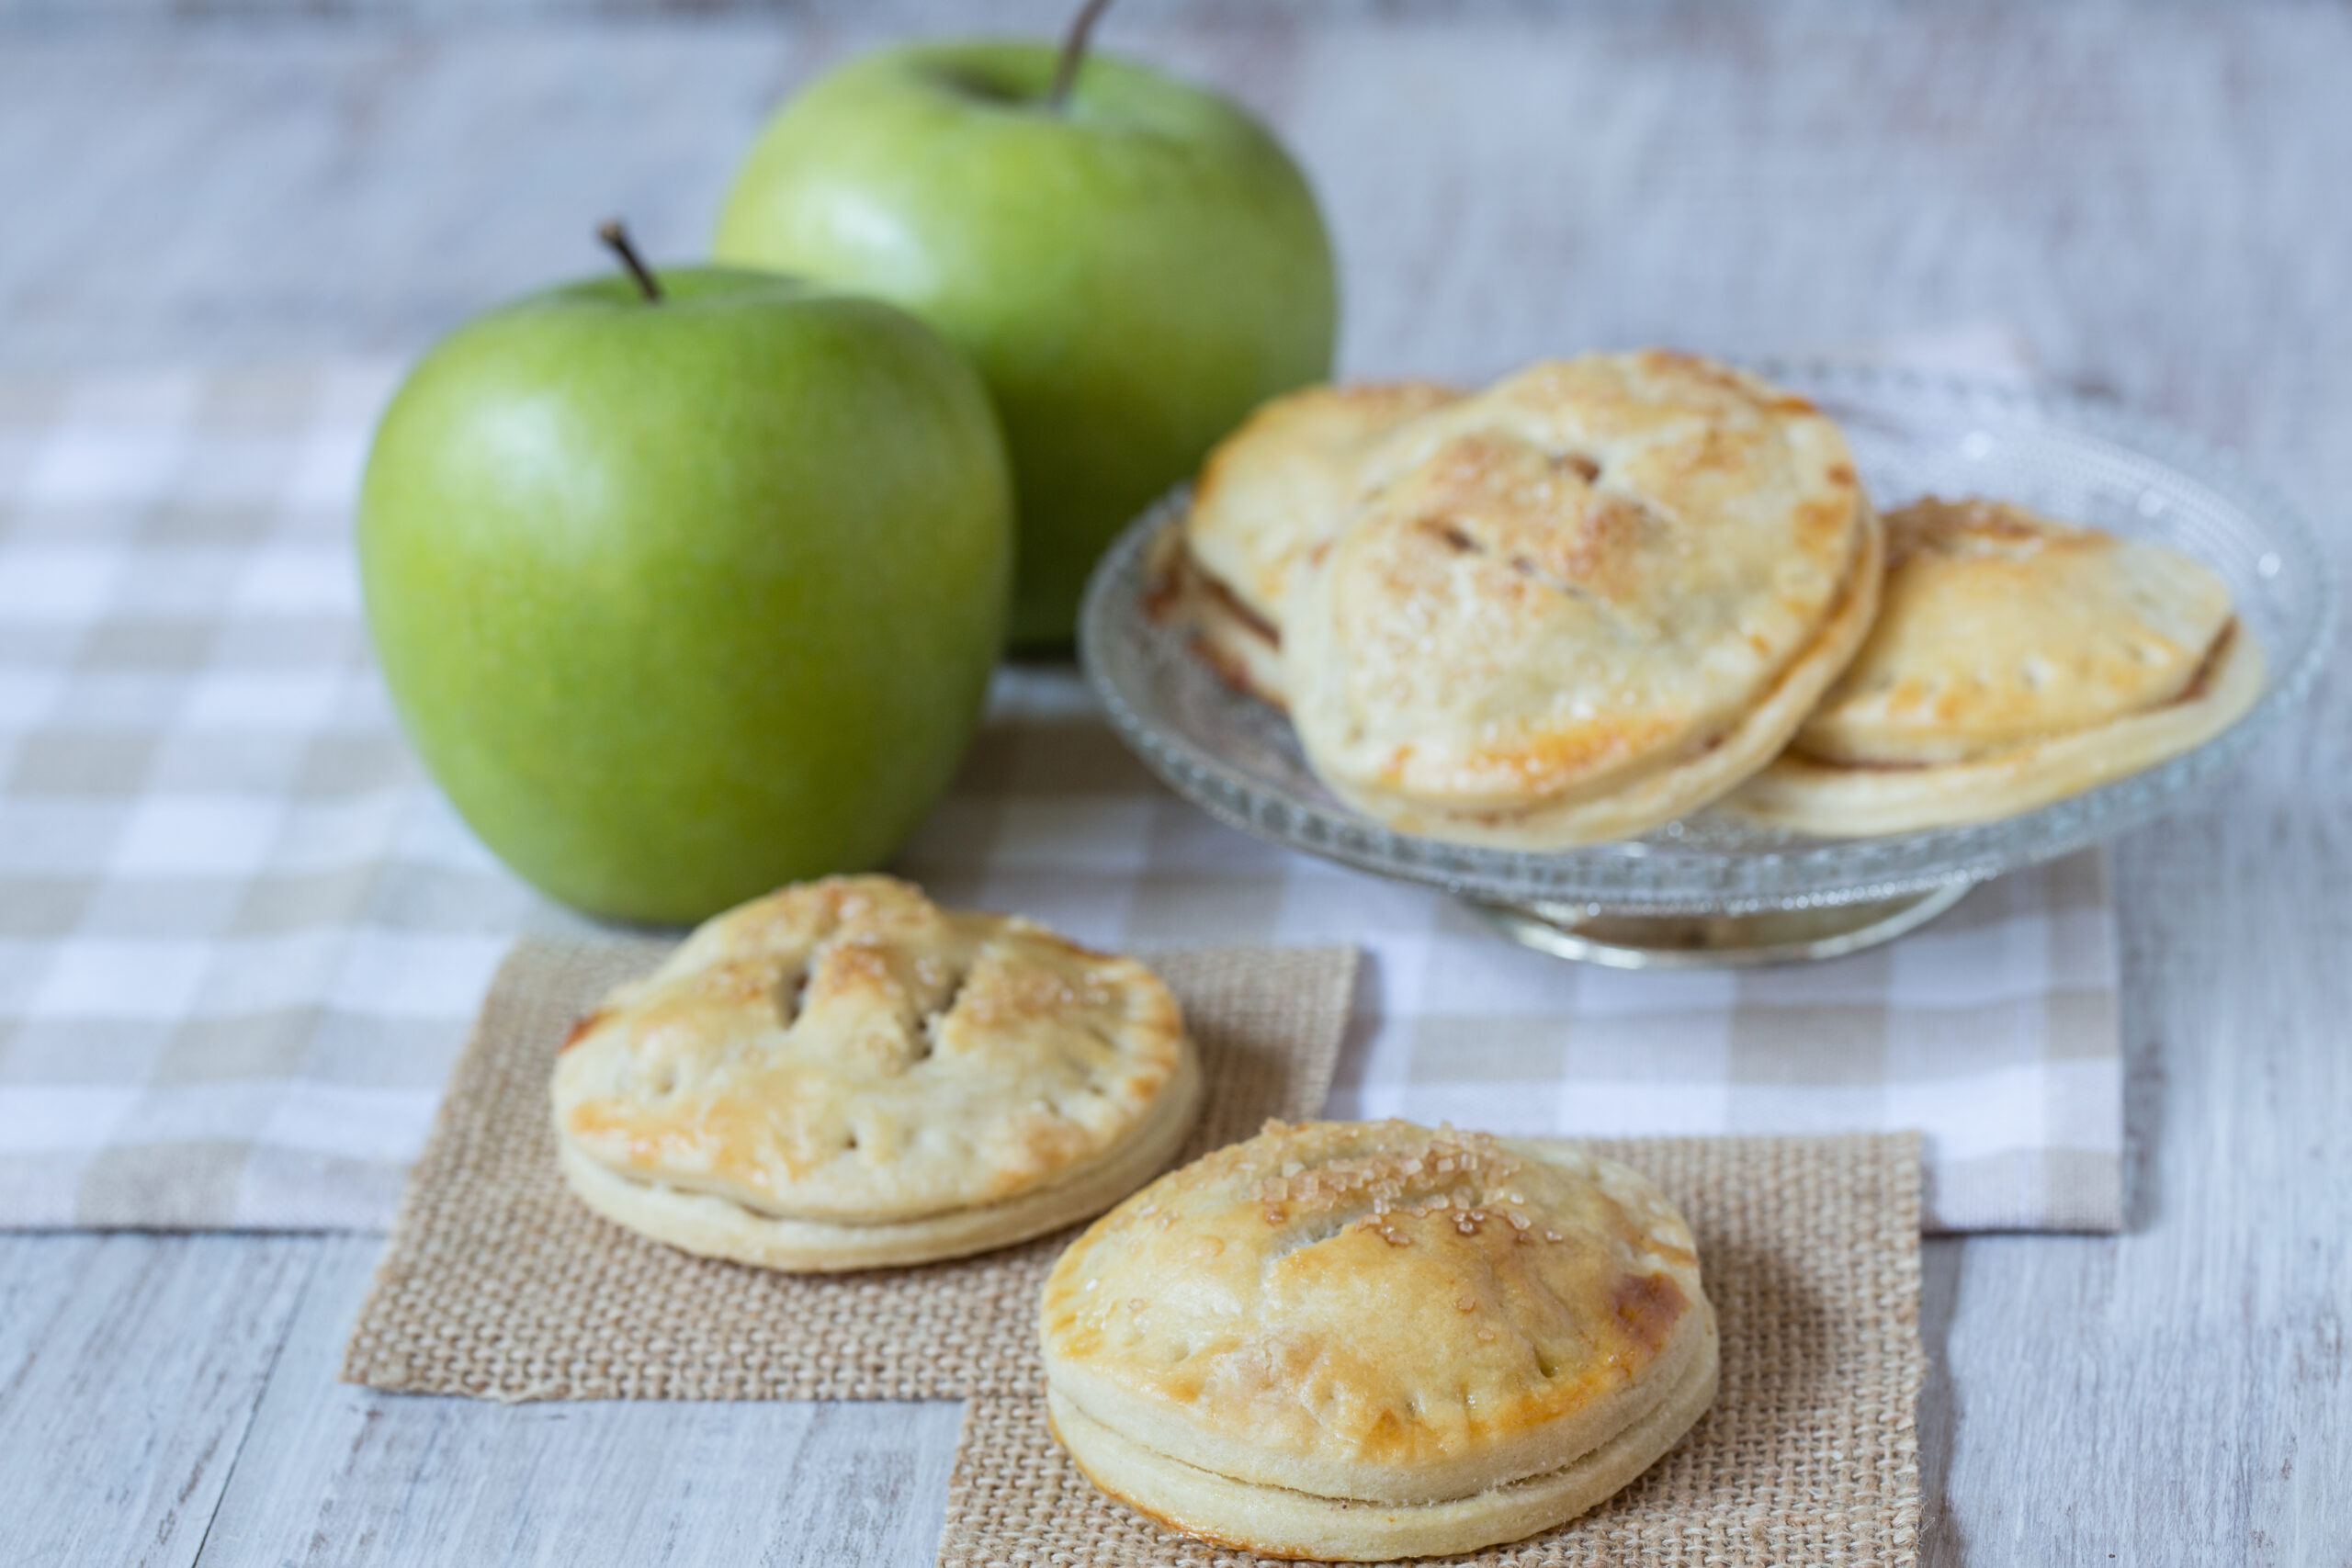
(1594, 572)
(847, 1051)
(1378, 1311)
(1997, 626)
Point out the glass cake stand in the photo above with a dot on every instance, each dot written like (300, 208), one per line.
(1705, 891)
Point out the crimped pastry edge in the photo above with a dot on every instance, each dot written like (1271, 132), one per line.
(1806, 796)
(1277, 1522)
(713, 1226)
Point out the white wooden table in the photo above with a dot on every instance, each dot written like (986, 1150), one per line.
(2159, 199)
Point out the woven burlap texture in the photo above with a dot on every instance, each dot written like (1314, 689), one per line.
(497, 1284)
(1810, 1248)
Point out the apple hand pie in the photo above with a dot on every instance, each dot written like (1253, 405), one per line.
(1582, 603)
(2016, 661)
(1367, 1340)
(843, 1075)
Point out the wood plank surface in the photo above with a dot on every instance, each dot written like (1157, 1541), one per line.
(130, 1369)
(2154, 197)
(333, 1473)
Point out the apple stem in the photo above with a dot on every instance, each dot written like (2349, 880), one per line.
(1074, 53)
(611, 231)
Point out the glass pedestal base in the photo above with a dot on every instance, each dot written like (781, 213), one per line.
(1594, 935)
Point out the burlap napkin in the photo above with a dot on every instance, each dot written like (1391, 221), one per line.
(497, 1284)
(1810, 1454)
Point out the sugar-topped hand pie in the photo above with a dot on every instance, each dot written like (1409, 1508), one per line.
(843, 1075)
(2014, 661)
(1364, 1341)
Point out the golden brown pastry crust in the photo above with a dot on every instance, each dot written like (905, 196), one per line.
(1283, 484)
(1274, 1521)
(2016, 661)
(713, 1226)
(1997, 625)
(1268, 501)
(1376, 1312)
(846, 1053)
(1582, 603)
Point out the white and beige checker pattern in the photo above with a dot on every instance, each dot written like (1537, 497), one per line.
(240, 936)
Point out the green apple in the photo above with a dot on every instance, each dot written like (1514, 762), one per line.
(1133, 270)
(682, 599)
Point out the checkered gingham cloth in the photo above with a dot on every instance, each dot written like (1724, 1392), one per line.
(240, 936)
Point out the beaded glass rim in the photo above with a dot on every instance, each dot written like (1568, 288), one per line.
(1913, 433)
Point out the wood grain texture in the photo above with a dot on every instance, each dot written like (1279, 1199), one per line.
(2153, 196)
(333, 1473)
(130, 1369)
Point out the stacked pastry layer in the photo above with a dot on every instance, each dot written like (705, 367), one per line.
(1606, 592)
(843, 1075)
(1364, 1341)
